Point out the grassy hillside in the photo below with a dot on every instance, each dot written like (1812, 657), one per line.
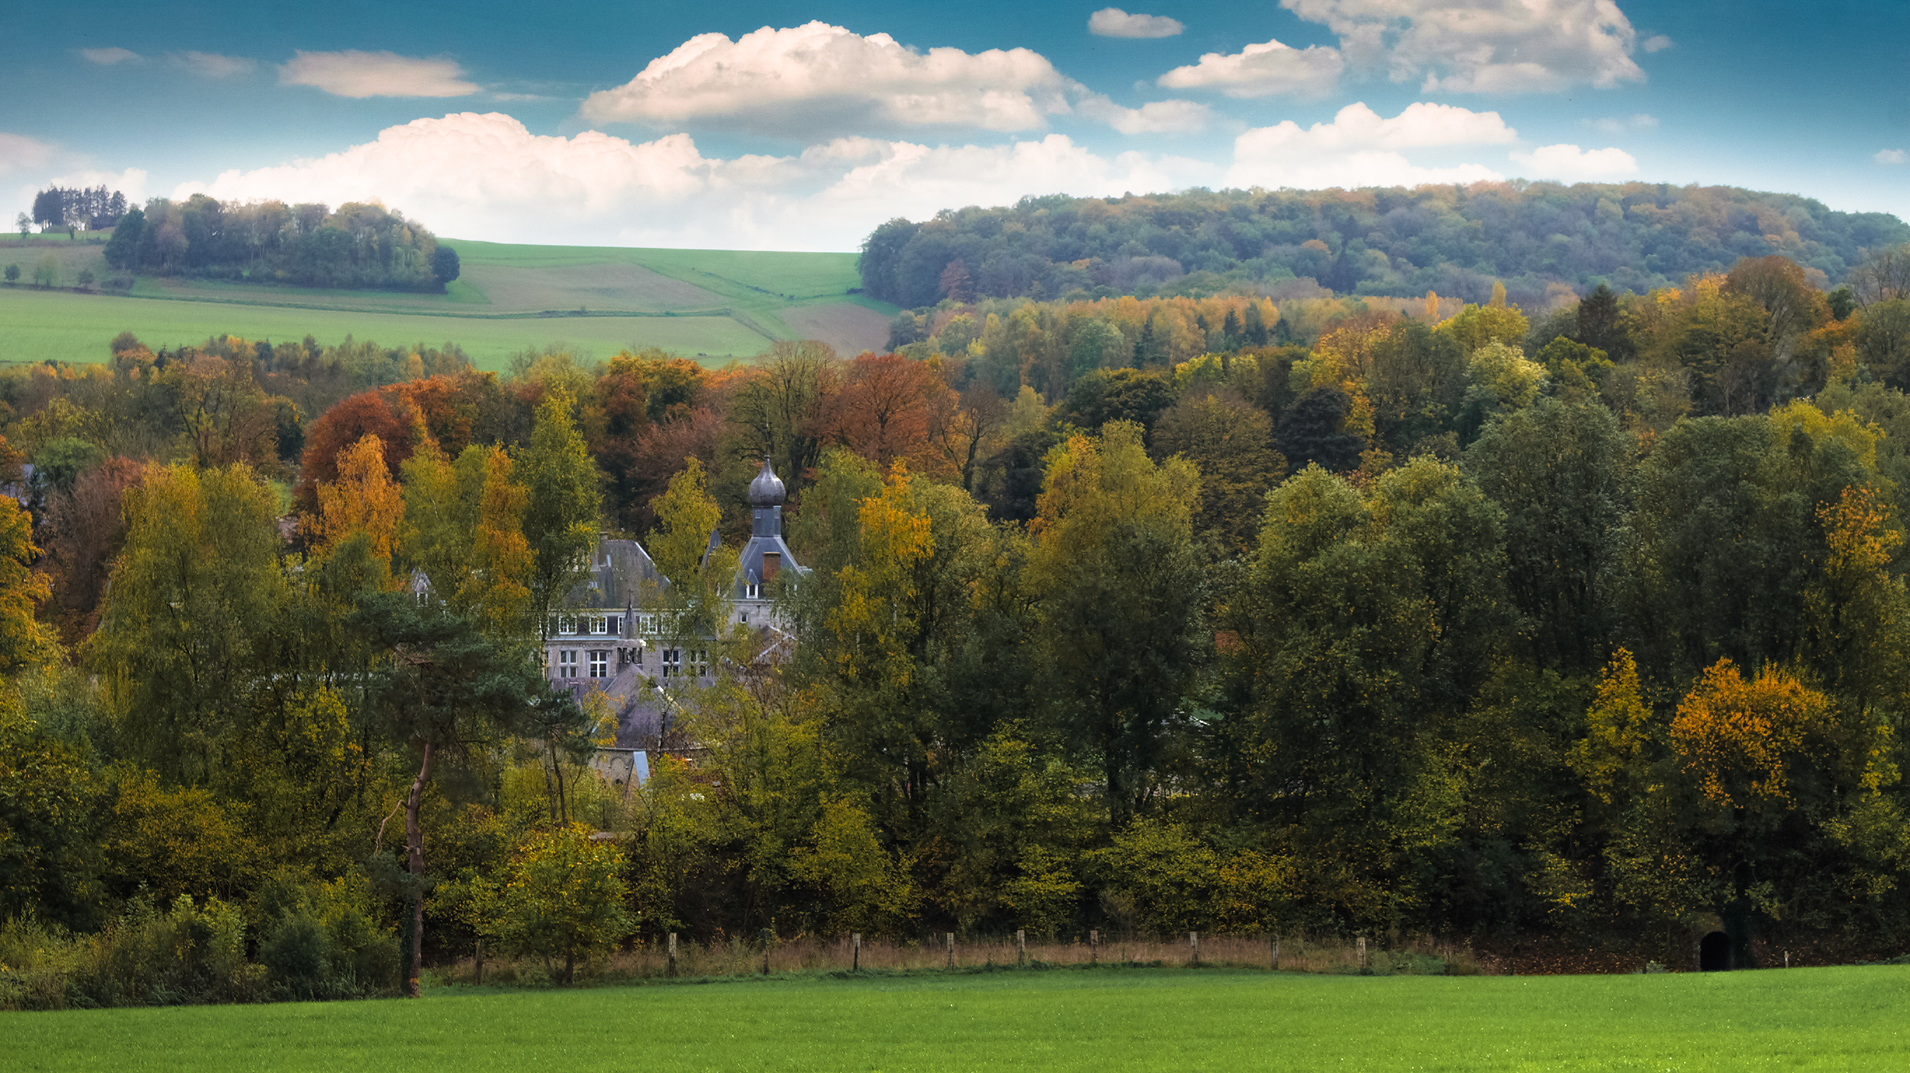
(713, 303)
(1103, 1021)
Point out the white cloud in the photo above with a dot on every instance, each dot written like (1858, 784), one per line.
(375, 74)
(106, 57)
(1892, 156)
(486, 176)
(1569, 162)
(814, 79)
(21, 153)
(1623, 124)
(1261, 70)
(1113, 22)
(1154, 117)
(1655, 43)
(1484, 46)
(1359, 148)
(131, 182)
(213, 65)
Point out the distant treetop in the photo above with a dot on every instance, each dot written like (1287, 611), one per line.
(1456, 240)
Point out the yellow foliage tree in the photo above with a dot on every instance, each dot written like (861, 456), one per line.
(1737, 738)
(1618, 729)
(871, 619)
(363, 498)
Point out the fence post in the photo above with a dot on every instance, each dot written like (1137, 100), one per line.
(1362, 944)
(1276, 953)
(1094, 947)
(1021, 947)
(855, 952)
(1193, 945)
(673, 953)
(951, 949)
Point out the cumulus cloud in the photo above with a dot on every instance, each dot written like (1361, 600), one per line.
(1484, 46)
(1359, 148)
(1892, 156)
(1569, 162)
(1623, 124)
(21, 153)
(131, 182)
(213, 65)
(486, 176)
(375, 74)
(1656, 43)
(106, 57)
(1261, 70)
(1113, 22)
(1154, 117)
(816, 79)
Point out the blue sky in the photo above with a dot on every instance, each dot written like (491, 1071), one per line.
(803, 126)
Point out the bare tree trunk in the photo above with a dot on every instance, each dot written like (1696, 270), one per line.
(414, 847)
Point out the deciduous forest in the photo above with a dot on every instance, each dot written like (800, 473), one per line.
(1539, 239)
(1581, 618)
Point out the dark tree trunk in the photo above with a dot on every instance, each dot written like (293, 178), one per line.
(414, 854)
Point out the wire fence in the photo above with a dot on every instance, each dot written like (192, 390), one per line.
(671, 955)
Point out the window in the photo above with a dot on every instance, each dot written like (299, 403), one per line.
(672, 662)
(599, 663)
(566, 625)
(699, 662)
(567, 663)
(599, 625)
(753, 590)
(616, 625)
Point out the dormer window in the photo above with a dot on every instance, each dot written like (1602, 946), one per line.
(752, 590)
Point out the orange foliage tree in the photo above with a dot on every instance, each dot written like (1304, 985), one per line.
(1737, 739)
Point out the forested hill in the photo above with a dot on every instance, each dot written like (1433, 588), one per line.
(1451, 239)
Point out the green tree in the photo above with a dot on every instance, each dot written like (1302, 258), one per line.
(561, 513)
(449, 691)
(192, 608)
(1122, 602)
(1559, 471)
(563, 898)
(12, 273)
(49, 857)
(47, 272)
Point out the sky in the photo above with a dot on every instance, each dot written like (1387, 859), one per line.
(773, 125)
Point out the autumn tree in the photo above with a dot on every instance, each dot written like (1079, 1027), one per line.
(1231, 441)
(563, 505)
(194, 600)
(364, 498)
(1121, 604)
(884, 408)
(782, 410)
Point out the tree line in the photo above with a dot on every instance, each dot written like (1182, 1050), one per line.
(1540, 239)
(1456, 619)
(364, 246)
(94, 208)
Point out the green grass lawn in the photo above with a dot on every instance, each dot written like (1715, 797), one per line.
(63, 326)
(1097, 1021)
(719, 303)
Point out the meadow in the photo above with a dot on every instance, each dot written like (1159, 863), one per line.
(715, 304)
(1105, 1020)
(63, 326)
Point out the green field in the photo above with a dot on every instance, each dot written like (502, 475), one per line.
(714, 303)
(1098, 1021)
